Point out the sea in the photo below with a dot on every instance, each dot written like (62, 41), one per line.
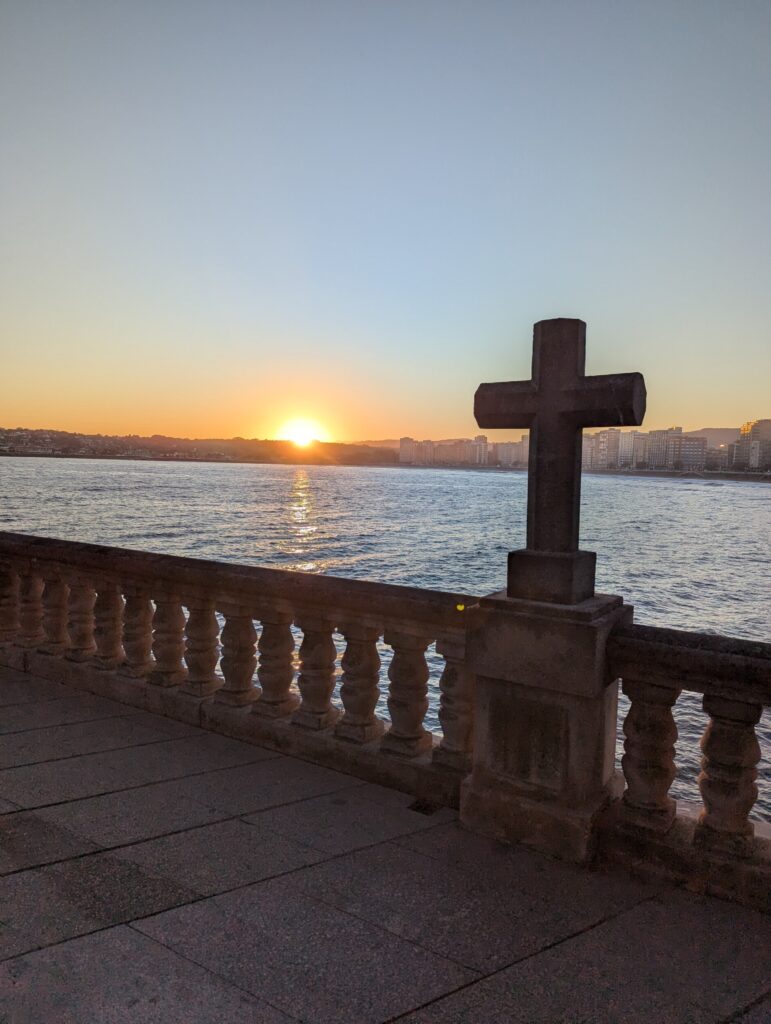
(689, 554)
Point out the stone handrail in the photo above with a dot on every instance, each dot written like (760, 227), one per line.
(734, 677)
(178, 635)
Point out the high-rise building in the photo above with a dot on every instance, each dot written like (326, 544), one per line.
(480, 450)
(606, 449)
(407, 448)
(686, 453)
(755, 444)
(660, 447)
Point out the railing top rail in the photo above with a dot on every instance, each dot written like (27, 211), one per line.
(244, 584)
(706, 663)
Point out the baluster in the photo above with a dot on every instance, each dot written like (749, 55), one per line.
(201, 649)
(80, 620)
(9, 605)
(276, 670)
(649, 755)
(239, 661)
(360, 690)
(108, 618)
(31, 610)
(55, 616)
(727, 780)
(316, 680)
(137, 634)
(407, 695)
(168, 641)
(456, 707)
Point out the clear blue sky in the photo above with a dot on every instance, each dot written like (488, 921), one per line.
(215, 216)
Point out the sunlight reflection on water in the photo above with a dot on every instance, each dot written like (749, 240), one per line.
(688, 554)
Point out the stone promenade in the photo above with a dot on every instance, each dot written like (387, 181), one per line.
(154, 872)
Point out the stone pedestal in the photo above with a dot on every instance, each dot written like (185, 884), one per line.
(545, 721)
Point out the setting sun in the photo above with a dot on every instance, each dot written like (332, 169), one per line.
(302, 432)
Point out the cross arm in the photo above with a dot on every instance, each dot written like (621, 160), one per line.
(609, 400)
(508, 404)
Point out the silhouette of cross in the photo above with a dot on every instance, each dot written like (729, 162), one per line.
(556, 404)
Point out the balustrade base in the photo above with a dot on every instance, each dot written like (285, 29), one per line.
(267, 709)
(406, 746)
(730, 844)
(315, 720)
(166, 679)
(678, 856)
(236, 698)
(651, 819)
(354, 732)
(509, 815)
(455, 760)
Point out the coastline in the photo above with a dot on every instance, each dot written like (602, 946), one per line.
(706, 475)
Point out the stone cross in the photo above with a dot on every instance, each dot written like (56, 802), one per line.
(556, 404)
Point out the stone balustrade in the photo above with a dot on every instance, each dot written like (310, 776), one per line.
(215, 644)
(293, 661)
(734, 679)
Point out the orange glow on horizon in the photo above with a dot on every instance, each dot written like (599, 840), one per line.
(302, 432)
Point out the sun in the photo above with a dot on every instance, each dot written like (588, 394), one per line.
(302, 432)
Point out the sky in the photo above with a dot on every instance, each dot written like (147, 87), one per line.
(219, 216)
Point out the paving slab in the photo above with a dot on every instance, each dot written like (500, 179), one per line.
(48, 904)
(678, 960)
(22, 688)
(77, 777)
(253, 787)
(121, 977)
(6, 806)
(354, 818)
(568, 886)
(79, 708)
(132, 815)
(758, 1014)
(219, 857)
(27, 840)
(309, 960)
(58, 741)
(479, 921)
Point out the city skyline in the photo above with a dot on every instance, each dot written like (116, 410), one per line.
(353, 213)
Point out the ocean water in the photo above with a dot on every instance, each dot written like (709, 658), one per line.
(688, 554)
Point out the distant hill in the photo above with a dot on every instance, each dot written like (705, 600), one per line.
(390, 442)
(20, 441)
(716, 435)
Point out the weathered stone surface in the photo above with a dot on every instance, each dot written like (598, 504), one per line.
(219, 857)
(351, 971)
(22, 688)
(121, 977)
(37, 745)
(77, 777)
(634, 968)
(27, 840)
(130, 815)
(48, 904)
(268, 783)
(545, 723)
(580, 896)
(758, 1014)
(356, 817)
(476, 920)
(81, 708)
